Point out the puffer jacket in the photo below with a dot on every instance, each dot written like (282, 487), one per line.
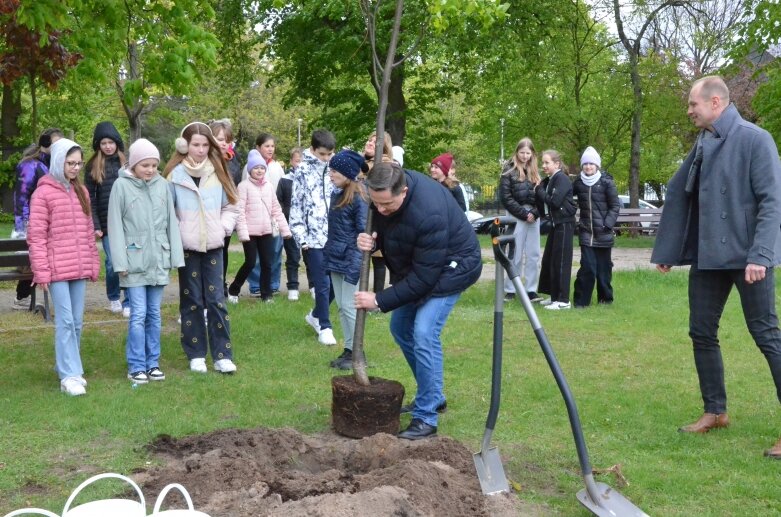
(517, 196)
(204, 213)
(99, 193)
(428, 244)
(28, 173)
(556, 193)
(309, 206)
(60, 236)
(599, 207)
(145, 240)
(341, 254)
(258, 205)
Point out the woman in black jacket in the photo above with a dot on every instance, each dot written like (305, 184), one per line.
(517, 185)
(599, 206)
(556, 192)
(100, 173)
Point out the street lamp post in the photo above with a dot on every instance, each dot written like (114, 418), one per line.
(299, 132)
(501, 149)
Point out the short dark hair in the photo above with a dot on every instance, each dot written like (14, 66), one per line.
(323, 138)
(387, 176)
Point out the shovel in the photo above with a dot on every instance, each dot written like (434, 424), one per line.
(598, 498)
(488, 463)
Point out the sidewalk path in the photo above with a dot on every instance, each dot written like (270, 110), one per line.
(623, 259)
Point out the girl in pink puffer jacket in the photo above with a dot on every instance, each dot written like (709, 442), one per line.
(259, 214)
(63, 255)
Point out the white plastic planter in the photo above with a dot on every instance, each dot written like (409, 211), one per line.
(31, 511)
(189, 512)
(106, 507)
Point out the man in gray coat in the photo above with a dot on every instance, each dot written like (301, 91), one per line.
(722, 216)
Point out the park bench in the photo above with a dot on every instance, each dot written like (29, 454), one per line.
(15, 266)
(646, 220)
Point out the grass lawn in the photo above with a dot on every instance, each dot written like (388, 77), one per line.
(629, 365)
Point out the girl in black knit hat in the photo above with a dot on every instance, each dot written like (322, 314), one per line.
(100, 172)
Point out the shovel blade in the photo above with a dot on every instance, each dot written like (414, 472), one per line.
(490, 472)
(609, 503)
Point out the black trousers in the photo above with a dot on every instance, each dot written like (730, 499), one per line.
(257, 245)
(556, 271)
(708, 293)
(292, 263)
(596, 267)
(200, 287)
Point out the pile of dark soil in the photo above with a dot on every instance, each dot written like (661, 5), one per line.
(254, 472)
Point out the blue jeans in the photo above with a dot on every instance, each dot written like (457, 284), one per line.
(276, 269)
(68, 301)
(322, 281)
(416, 329)
(143, 329)
(112, 278)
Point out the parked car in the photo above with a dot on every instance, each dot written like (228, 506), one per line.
(482, 224)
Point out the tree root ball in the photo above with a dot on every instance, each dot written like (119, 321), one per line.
(359, 411)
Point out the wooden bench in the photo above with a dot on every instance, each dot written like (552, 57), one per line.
(645, 220)
(15, 266)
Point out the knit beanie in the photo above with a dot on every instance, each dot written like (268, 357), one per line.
(254, 159)
(444, 161)
(141, 150)
(590, 155)
(398, 154)
(106, 130)
(348, 163)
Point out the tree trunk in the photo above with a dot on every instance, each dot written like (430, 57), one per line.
(34, 102)
(396, 122)
(637, 116)
(10, 112)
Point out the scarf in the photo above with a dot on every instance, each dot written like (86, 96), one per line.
(200, 170)
(260, 182)
(590, 181)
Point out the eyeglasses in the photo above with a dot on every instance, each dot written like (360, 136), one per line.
(77, 165)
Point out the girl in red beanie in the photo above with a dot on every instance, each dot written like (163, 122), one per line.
(440, 171)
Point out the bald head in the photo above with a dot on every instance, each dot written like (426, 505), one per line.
(708, 98)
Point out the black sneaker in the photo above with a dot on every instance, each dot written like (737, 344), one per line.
(418, 430)
(508, 297)
(138, 377)
(155, 374)
(344, 361)
(534, 297)
(442, 408)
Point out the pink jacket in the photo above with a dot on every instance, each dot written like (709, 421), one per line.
(61, 237)
(257, 205)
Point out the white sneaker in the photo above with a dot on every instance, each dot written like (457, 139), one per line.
(125, 311)
(326, 337)
(224, 366)
(546, 302)
(292, 295)
(81, 380)
(115, 306)
(232, 299)
(72, 387)
(21, 305)
(313, 322)
(198, 365)
(558, 306)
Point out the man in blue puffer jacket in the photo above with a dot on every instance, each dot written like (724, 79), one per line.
(433, 255)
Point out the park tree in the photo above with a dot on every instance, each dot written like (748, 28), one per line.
(35, 55)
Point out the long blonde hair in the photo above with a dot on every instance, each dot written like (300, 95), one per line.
(528, 171)
(349, 191)
(215, 157)
(96, 166)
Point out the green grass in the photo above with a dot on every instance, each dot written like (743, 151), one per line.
(629, 366)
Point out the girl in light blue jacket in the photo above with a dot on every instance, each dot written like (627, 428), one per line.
(145, 245)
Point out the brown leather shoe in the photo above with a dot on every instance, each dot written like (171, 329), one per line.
(775, 452)
(707, 422)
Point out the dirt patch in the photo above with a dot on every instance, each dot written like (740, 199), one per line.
(278, 472)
